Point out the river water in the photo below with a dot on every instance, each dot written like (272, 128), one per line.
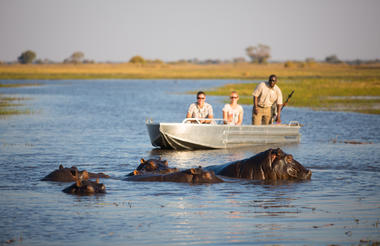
(100, 126)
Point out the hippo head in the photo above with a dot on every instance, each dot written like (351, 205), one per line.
(85, 187)
(284, 167)
(157, 166)
(199, 175)
(65, 174)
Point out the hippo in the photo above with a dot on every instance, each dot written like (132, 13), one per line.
(85, 187)
(272, 164)
(153, 166)
(65, 174)
(192, 175)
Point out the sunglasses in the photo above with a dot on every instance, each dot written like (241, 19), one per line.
(201, 98)
(233, 97)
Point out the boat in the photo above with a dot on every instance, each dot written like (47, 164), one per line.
(191, 135)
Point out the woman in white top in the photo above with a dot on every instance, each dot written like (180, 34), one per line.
(233, 112)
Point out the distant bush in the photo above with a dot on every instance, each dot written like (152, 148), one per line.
(137, 60)
(289, 64)
(239, 60)
(294, 64)
(333, 59)
(310, 62)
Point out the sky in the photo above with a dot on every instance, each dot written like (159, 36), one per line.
(170, 30)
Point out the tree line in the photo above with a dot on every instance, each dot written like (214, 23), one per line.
(259, 54)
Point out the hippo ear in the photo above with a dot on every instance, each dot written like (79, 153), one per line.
(289, 158)
(142, 161)
(60, 167)
(272, 156)
(84, 175)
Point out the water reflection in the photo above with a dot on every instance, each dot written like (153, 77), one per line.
(94, 125)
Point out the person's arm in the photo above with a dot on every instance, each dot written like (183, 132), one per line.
(278, 119)
(255, 105)
(279, 105)
(190, 113)
(209, 116)
(225, 119)
(240, 119)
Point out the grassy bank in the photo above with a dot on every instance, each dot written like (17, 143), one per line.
(355, 94)
(181, 71)
(320, 86)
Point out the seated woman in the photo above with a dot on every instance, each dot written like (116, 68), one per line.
(200, 109)
(233, 112)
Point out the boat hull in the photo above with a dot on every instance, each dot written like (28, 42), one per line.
(207, 136)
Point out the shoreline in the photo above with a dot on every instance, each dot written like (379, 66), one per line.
(319, 86)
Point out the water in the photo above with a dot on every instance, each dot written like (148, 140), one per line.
(99, 126)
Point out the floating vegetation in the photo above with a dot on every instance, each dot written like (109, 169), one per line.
(10, 105)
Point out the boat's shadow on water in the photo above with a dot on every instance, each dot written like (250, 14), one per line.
(191, 158)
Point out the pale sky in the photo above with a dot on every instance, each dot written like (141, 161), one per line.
(116, 30)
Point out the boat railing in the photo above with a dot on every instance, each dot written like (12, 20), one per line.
(198, 121)
(294, 123)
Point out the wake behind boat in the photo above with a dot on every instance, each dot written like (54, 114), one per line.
(190, 136)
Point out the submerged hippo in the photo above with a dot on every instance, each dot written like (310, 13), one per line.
(85, 187)
(272, 164)
(153, 166)
(65, 174)
(192, 175)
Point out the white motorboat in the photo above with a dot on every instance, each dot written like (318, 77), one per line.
(188, 135)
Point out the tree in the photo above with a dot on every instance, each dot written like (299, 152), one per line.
(258, 54)
(137, 60)
(27, 57)
(76, 57)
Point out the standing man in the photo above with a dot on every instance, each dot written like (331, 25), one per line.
(265, 94)
(200, 109)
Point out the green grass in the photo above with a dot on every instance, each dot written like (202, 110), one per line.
(336, 94)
